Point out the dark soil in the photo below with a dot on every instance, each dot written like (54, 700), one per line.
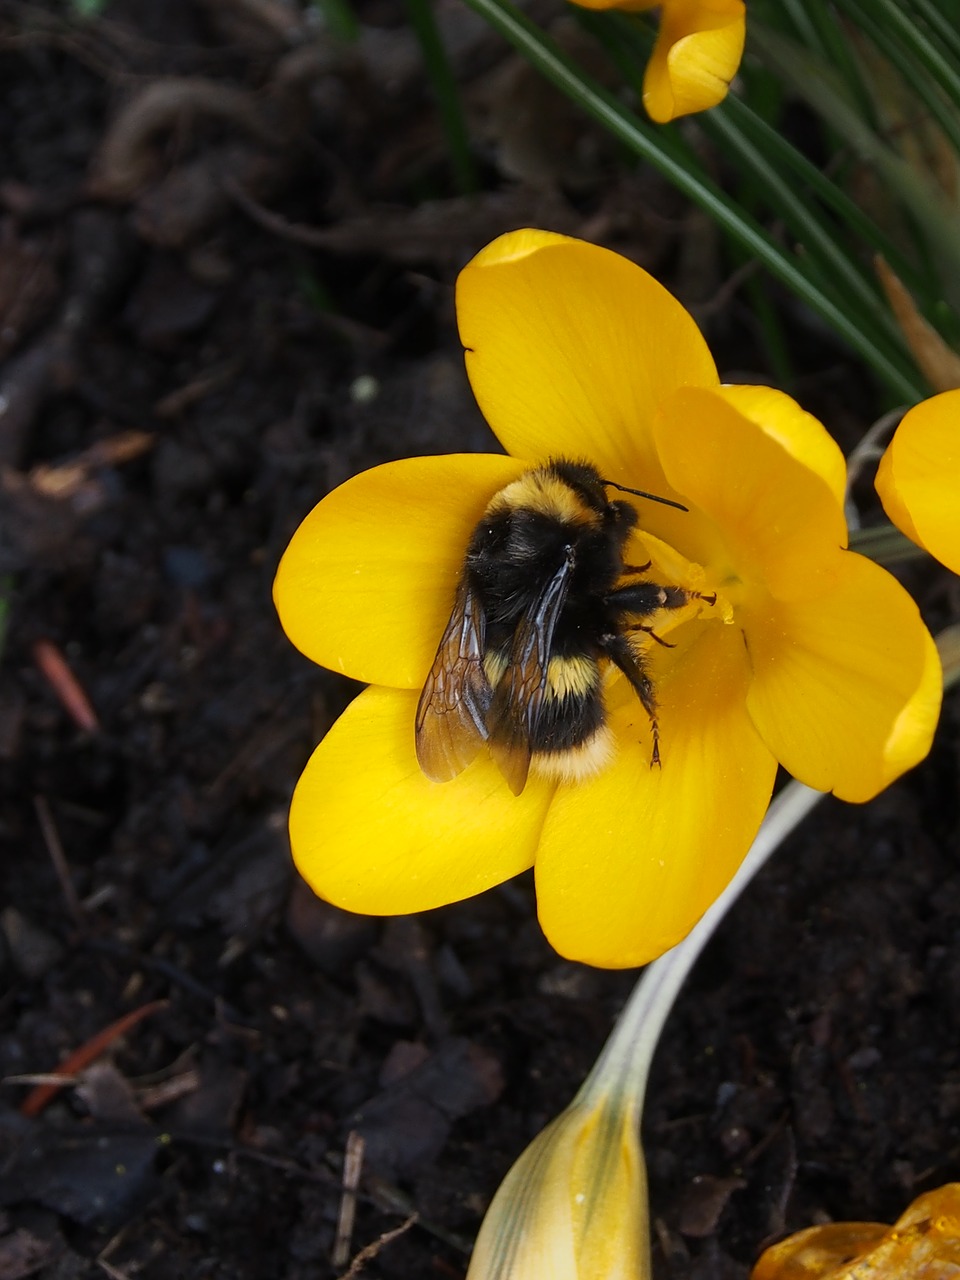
(220, 295)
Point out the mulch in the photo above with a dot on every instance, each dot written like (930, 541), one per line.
(227, 249)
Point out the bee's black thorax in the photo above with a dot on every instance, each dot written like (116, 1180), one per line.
(554, 514)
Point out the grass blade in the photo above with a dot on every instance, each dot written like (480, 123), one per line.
(643, 140)
(444, 84)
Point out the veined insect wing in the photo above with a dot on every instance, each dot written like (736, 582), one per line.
(520, 697)
(452, 712)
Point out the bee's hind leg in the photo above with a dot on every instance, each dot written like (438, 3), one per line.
(621, 653)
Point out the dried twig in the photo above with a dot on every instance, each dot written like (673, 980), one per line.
(370, 1251)
(167, 1091)
(38, 1098)
(871, 447)
(56, 1078)
(63, 479)
(174, 402)
(352, 1166)
(51, 838)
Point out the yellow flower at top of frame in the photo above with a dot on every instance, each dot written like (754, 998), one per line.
(923, 1244)
(697, 53)
(791, 649)
(919, 477)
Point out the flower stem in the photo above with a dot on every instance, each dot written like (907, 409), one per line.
(624, 1063)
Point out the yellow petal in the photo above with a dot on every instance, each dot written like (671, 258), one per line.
(819, 1253)
(898, 512)
(571, 347)
(919, 477)
(371, 834)
(574, 1206)
(631, 859)
(367, 583)
(847, 687)
(698, 50)
(799, 432)
(777, 517)
(924, 1242)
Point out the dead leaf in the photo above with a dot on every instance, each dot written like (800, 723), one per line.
(703, 1201)
(939, 363)
(406, 1125)
(108, 1096)
(88, 1173)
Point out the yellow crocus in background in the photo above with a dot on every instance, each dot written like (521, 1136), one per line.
(697, 53)
(923, 1244)
(919, 477)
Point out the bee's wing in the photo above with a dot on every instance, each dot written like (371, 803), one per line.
(520, 695)
(451, 723)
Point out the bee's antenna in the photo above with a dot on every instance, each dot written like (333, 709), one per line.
(642, 493)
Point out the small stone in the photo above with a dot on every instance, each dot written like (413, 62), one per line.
(33, 951)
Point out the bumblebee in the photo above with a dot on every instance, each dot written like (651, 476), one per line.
(540, 609)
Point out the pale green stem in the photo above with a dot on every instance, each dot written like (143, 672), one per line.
(624, 1064)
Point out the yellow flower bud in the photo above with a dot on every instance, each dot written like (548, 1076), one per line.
(574, 1206)
(698, 50)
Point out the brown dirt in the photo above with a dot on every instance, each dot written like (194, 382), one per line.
(251, 268)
